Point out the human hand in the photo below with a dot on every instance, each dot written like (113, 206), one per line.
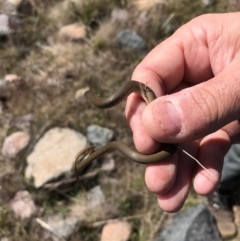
(196, 76)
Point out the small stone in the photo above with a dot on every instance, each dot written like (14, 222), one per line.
(12, 78)
(130, 39)
(80, 93)
(23, 122)
(4, 25)
(108, 164)
(208, 2)
(54, 154)
(72, 32)
(2, 83)
(119, 15)
(143, 5)
(98, 135)
(23, 205)
(14, 2)
(15, 143)
(97, 197)
(116, 231)
(94, 206)
(143, 19)
(61, 226)
(5, 239)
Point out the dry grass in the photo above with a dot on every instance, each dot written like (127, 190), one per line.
(53, 71)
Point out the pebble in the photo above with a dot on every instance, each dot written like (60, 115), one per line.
(54, 154)
(143, 5)
(23, 122)
(94, 205)
(143, 19)
(130, 39)
(12, 78)
(72, 32)
(108, 163)
(116, 231)
(80, 93)
(96, 196)
(61, 226)
(208, 2)
(15, 143)
(23, 205)
(99, 136)
(5, 239)
(4, 25)
(119, 15)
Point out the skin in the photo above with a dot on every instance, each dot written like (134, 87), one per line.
(195, 75)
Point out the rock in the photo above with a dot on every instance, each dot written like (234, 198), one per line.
(143, 19)
(143, 5)
(108, 164)
(8, 24)
(5, 239)
(72, 32)
(116, 231)
(130, 39)
(119, 15)
(4, 25)
(94, 204)
(23, 122)
(80, 93)
(193, 224)
(23, 205)
(97, 198)
(15, 143)
(12, 78)
(54, 154)
(2, 83)
(61, 226)
(98, 135)
(208, 2)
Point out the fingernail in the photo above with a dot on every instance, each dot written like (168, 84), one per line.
(169, 117)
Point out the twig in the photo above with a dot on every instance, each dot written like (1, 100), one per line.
(101, 223)
(72, 179)
(200, 164)
(158, 225)
(63, 194)
(168, 20)
(59, 183)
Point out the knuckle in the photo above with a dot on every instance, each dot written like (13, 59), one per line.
(206, 102)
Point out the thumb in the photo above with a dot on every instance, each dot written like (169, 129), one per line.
(196, 111)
